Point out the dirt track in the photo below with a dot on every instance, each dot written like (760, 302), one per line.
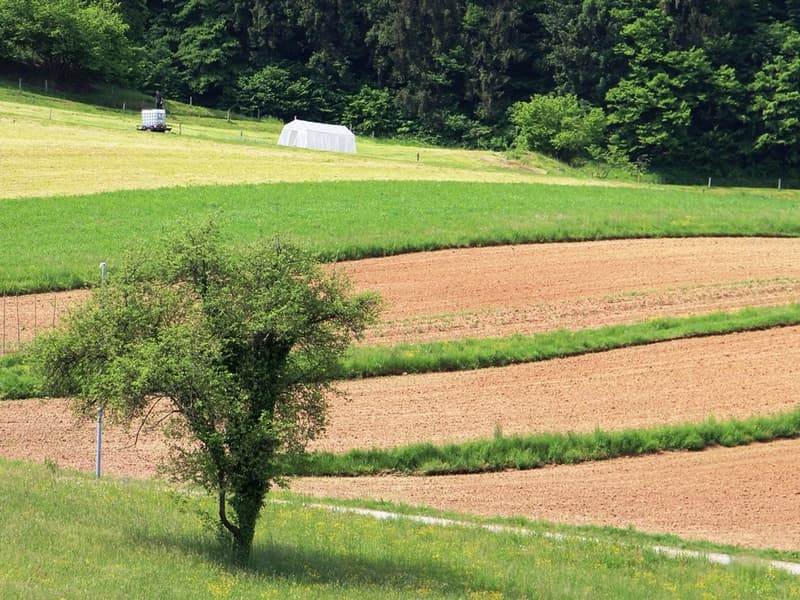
(483, 292)
(686, 380)
(747, 496)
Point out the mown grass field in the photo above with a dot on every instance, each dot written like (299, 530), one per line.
(57, 243)
(51, 146)
(135, 540)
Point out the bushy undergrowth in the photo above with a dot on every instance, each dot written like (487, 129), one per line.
(522, 452)
(495, 352)
(16, 379)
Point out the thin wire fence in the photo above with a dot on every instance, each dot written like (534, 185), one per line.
(22, 318)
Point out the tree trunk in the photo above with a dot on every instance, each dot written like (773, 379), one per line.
(247, 505)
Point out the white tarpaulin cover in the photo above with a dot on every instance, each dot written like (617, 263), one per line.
(318, 136)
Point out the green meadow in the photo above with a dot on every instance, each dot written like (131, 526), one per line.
(137, 540)
(57, 243)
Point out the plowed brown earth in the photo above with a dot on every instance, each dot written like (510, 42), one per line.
(746, 496)
(40, 430)
(507, 289)
(689, 380)
(674, 382)
(22, 317)
(525, 289)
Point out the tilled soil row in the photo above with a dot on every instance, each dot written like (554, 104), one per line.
(737, 375)
(481, 292)
(729, 376)
(746, 496)
(523, 289)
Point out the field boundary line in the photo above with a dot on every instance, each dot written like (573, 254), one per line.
(718, 558)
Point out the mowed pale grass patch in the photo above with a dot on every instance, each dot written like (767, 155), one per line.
(57, 243)
(68, 536)
(52, 147)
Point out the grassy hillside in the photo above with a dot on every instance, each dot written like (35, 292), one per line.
(57, 243)
(67, 536)
(55, 146)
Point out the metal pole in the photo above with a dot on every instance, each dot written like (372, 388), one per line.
(780, 183)
(98, 457)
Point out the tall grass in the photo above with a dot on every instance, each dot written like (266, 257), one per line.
(67, 536)
(56, 243)
(522, 452)
(461, 355)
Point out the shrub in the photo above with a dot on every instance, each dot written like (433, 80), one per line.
(560, 126)
(65, 37)
(283, 94)
(372, 111)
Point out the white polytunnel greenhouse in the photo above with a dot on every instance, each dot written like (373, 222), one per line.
(318, 136)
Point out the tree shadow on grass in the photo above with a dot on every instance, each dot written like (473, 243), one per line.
(320, 567)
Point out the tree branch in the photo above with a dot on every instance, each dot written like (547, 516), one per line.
(223, 517)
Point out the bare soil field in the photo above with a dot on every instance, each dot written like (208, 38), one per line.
(524, 289)
(690, 380)
(39, 430)
(674, 382)
(22, 317)
(745, 496)
(504, 290)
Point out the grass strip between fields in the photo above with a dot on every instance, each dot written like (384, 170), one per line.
(525, 452)
(470, 354)
(18, 381)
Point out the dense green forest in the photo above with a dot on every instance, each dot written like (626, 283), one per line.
(639, 82)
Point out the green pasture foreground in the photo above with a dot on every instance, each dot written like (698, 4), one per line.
(57, 243)
(68, 536)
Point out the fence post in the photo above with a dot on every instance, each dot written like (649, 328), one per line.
(45, 87)
(709, 182)
(190, 101)
(98, 457)
(780, 183)
(20, 84)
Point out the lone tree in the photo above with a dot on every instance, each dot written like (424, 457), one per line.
(241, 346)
